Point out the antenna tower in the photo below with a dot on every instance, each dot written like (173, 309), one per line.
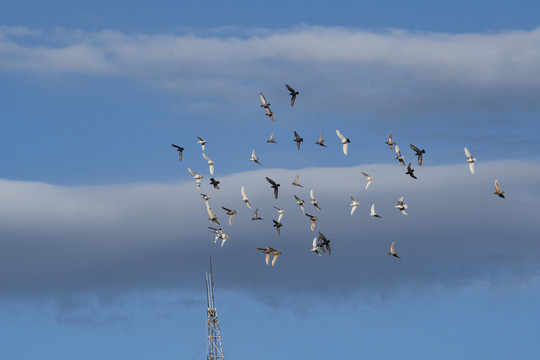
(214, 338)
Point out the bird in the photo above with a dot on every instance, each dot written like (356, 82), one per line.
(275, 186)
(278, 226)
(224, 238)
(324, 243)
(344, 141)
(390, 142)
(255, 216)
(470, 160)
(298, 140)
(293, 93)
(230, 212)
(271, 138)
(214, 183)
(369, 179)
(218, 232)
(392, 251)
(266, 107)
(315, 247)
(205, 197)
(313, 201)
(280, 212)
(295, 182)
(197, 178)
(418, 153)
(211, 215)
(320, 141)
(268, 251)
(354, 205)
(210, 163)
(401, 206)
(245, 198)
(498, 190)
(313, 220)
(373, 213)
(410, 171)
(399, 157)
(254, 157)
(180, 151)
(299, 202)
(202, 142)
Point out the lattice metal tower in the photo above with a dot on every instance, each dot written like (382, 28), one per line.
(214, 338)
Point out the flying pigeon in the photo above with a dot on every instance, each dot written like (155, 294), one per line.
(280, 212)
(320, 141)
(313, 220)
(255, 216)
(410, 171)
(344, 141)
(373, 213)
(293, 93)
(401, 206)
(214, 183)
(180, 151)
(275, 186)
(211, 215)
(399, 157)
(313, 201)
(298, 140)
(324, 242)
(299, 202)
(354, 205)
(295, 182)
(245, 198)
(390, 142)
(392, 251)
(498, 190)
(266, 107)
(418, 153)
(278, 226)
(470, 160)
(254, 157)
(315, 247)
(202, 142)
(369, 179)
(271, 138)
(197, 178)
(230, 212)
(210, 163)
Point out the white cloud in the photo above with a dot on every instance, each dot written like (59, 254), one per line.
(58, 240)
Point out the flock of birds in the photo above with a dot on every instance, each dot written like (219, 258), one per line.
(320, 244)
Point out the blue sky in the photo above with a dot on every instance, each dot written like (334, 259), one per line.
(103, 236)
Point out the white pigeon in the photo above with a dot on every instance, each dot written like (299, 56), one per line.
(300, 203)
(344, 141)
(224, 238)
(245, 198)
(280, 212)
(369, 179)
(271, 139)
(254, 157)
(315, 247)
(210, 163)
(313, 201)
(202, 142)
(197, 178)
(354, 205)
(373, 213)
(401, 206)
(470, 160)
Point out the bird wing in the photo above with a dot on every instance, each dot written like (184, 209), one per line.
(497, 187)
(353, 209)
(198, 137)
(415, 148)
(271, 181)
(368, 183)
(366, 175)
(398, 153)
(243, 191)
(192, 172)
(392, 247)
(314, 245)
(267, 258)
(210, 212)
(345, 148)
(274, 259)
(471, 167)
(264, 102)
(290, 88)
(467, 153)
(340, 135)
(206, 157)
(272, 136)
(373, 208)
(420, 159)
(320, 137)
(296, 136)
(400, 201)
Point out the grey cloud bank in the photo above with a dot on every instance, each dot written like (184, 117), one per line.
(57, 240)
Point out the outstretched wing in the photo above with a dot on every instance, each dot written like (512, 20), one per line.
(467, 153)
(271, 181)
(263, 99)
(415, 148)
